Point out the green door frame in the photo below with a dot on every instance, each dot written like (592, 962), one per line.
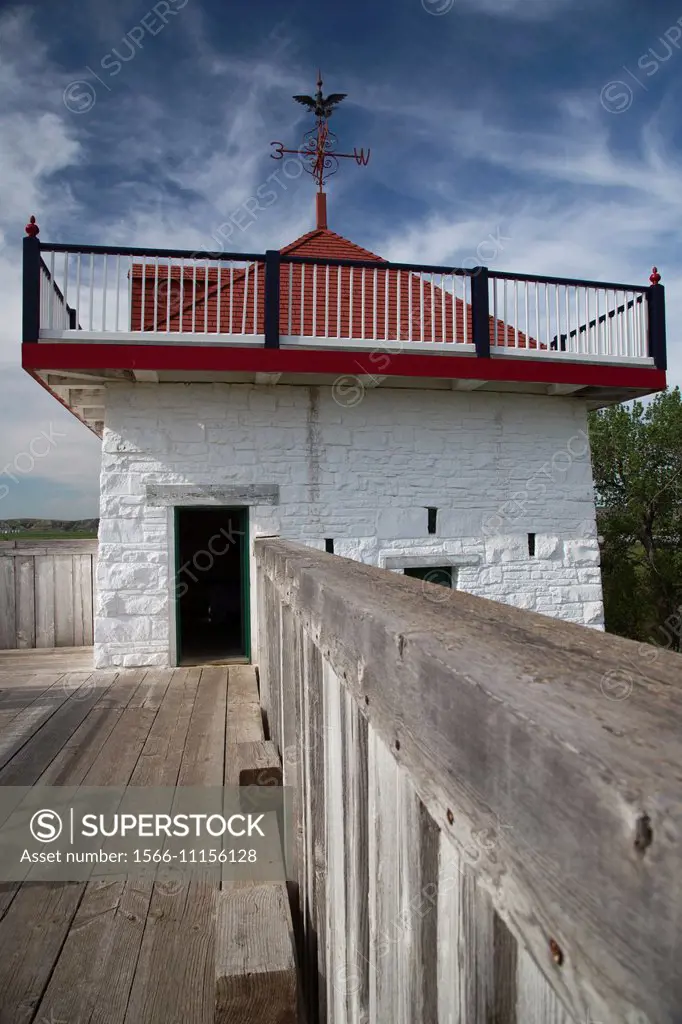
(243, 512)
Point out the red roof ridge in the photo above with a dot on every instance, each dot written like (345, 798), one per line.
(325, 243)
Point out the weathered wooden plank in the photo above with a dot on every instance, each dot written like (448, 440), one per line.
(59, 714)
(289, 718)
(58, 755)
(65, 659)
(335, 939)
(25, 602)
(63, 602)
(21, 689)
(537, 1003)
(244, 719)
(46, 594)
(384, 896)
(26, 724)
(356, 840)
(304, 886)
(256, 764)
(152, 689)
(8, 548)
(41, 914)
(476, 954)
(82, 600)
(44, 598)
(8, 626)
(313, 752)
(263, 648)
(175, 975)
(94, 974)
(402, 871)
(255, 970)
(476, 692)
(274, 662)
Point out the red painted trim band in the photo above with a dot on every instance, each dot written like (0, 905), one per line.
(380, 363)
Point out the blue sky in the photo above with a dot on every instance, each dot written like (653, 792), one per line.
(548, 126)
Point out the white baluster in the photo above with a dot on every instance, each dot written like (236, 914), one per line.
(118, 288)
(255, 296)
(398, 330)
(206, 299)
(231, 325)
(194, 295)
(363, 331)
(291, 296)
(516, 313)
(246, 298)
(495, 332)
(410, 278)
(65, 290)
(92, 286)
(104, 294)
(144, 292)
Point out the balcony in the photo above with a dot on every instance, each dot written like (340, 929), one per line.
(100, 312)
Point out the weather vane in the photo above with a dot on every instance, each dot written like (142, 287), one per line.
(318, 148)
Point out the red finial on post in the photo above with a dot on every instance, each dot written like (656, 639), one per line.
(32, 228)
(655, 276)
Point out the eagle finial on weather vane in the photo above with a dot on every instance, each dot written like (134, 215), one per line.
(322, 107)
(317, 150)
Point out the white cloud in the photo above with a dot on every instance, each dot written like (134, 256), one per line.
(564, 200)
(569, 201)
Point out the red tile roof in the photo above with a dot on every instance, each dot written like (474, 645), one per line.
(382, 300)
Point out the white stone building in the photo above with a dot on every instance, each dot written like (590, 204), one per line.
(426, 420)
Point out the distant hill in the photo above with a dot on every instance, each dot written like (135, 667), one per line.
(41, 529)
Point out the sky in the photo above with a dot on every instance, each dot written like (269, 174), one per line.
(545, 132)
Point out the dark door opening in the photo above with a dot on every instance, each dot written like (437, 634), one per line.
(441, 574)
(211, 584)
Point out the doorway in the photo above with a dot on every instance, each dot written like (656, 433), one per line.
(441, 574)
(212, 585)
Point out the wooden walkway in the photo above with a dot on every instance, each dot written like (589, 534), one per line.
(108, 952)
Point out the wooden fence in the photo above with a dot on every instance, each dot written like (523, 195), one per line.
(46, 593)
(487, 803)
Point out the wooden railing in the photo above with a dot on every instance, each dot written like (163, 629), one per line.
(487, 803)
(109, 293)
(46, 593)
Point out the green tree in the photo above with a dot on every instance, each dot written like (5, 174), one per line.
(637, 464)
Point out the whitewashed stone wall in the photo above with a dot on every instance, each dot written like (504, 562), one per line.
(497, 467)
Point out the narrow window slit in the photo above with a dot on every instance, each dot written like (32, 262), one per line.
(432, 516)
(531, 545)
(329, 545)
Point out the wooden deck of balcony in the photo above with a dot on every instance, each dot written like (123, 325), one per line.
(110, 951)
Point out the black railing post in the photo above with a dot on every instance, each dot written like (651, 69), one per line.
(31, 283)
(271, 326)
(657, 335)
(480, 311)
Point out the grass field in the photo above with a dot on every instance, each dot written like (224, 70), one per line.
(56, 535)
